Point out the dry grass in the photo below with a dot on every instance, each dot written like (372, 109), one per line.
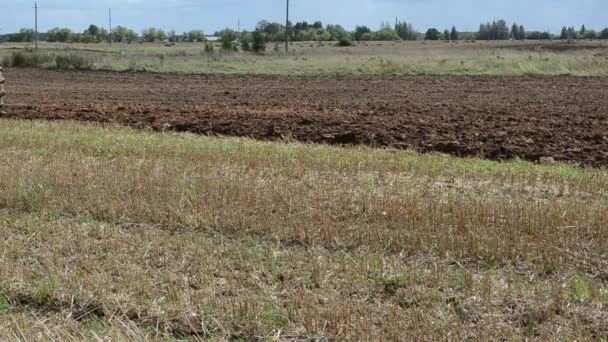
(110, 233)
(365, 58)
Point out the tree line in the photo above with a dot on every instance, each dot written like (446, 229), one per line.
(267, 31)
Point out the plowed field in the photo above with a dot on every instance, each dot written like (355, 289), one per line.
(565, 118)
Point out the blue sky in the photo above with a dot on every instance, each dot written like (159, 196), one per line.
(184, 15)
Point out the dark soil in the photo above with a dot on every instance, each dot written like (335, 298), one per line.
(565, 118)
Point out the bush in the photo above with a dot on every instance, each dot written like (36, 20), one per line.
(27, 60)
(209, 47)
(72, 61)
(259, 42)
(245, 44)
(345, 42)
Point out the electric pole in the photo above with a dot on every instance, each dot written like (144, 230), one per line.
(36, 25)
(110, 21)
(287, 29)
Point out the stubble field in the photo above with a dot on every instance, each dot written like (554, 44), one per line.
(158, 206)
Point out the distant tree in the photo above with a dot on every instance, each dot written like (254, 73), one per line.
(538, 35)
(123, 34)
(301, 26)
(259, 42)
(24, 35)
(497, 30)
(272, 31)
(446, 34)
(150, 34)
(93, 30)
(246, 41)
(103, 34)
(172, 36)
(360, 31)
(564, 34)
(196, 36)
(57, 34)
(432, 34)
(317, 25)
(571, 33)
(385, 33)
(83, 38)
(307, 36)
(454, 34)
(603, 34)
(522, 32)
(515, 31)
(590, 34)
(161, 35)
(228, 38)
(406, 31)
(337, 32)
(131, 36)
(583, 30)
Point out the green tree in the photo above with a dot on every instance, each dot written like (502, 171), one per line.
(84, 38)
(360, 31)
(228, 38)
(497, 30)
(603, 34)
(57, 34)
(246, 41)
(538, 35)
(386, 33)
(150, 34)
(406, 31)
(515, 31)
(337, 32)
(24, 35)
(590, 34)
(93, 30)
(522, 32)
(259, 42)
(432, 34)
(564, 34)
(196, 36)
(307, 35)
(446, 34)
(123, 34)
(583, 30)
(454, 33)
(272, 31)
(172, 36)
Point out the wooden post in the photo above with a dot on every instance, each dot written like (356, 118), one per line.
(36, 25)
(110, 21)
(287, 29)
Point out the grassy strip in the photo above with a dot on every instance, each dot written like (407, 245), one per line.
(173, 235)
(385, 59)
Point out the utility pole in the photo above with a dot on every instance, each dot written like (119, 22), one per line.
(110, 21)
(36, 25)
(287, 29)
(239, 30)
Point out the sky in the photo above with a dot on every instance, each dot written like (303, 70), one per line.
(210, 16)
